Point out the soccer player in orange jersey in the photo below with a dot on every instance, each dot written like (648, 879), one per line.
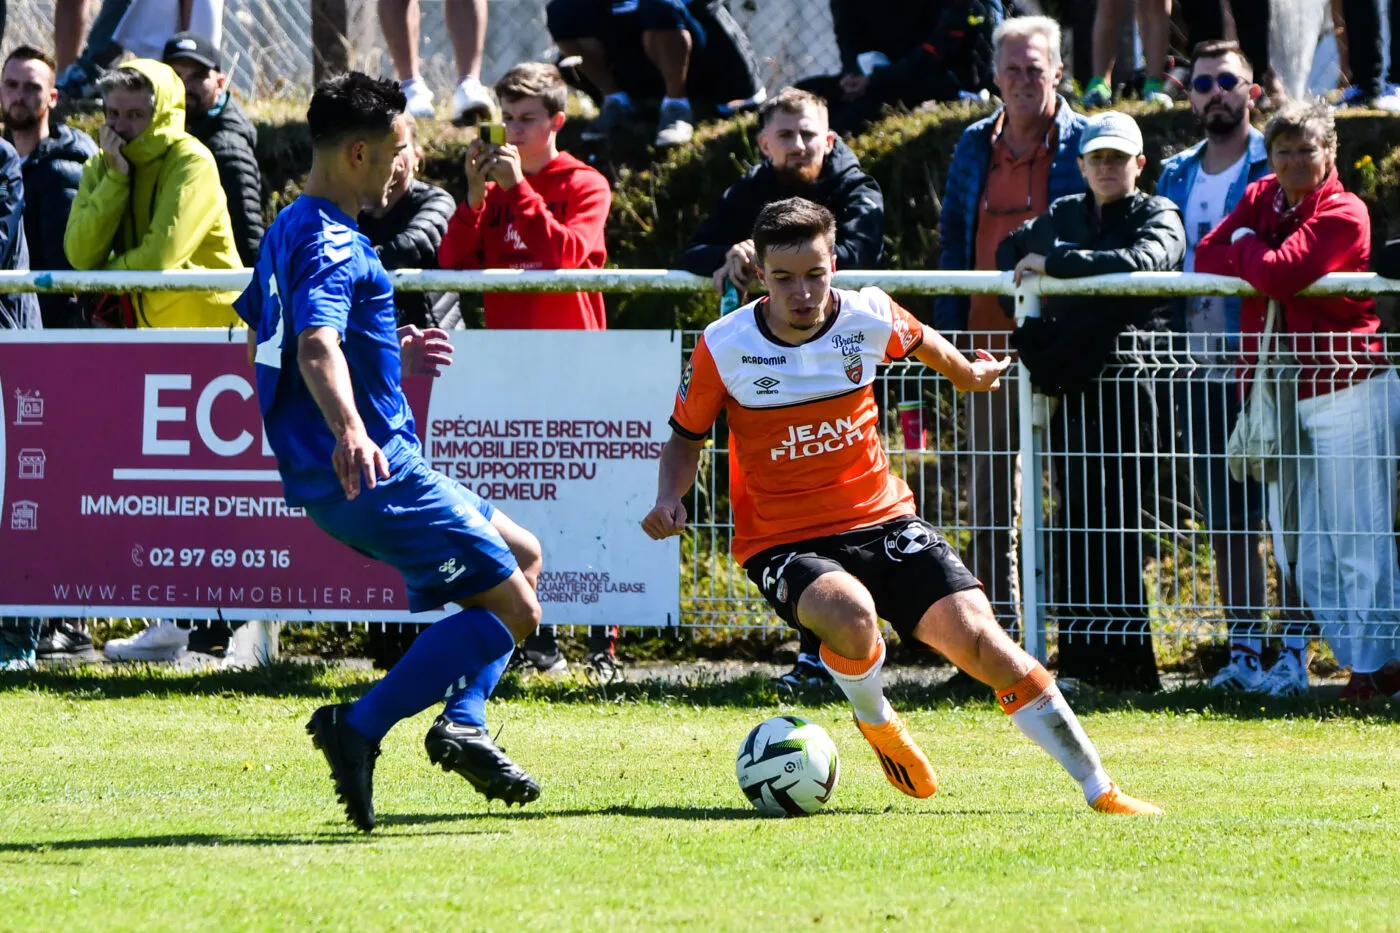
(825, 531)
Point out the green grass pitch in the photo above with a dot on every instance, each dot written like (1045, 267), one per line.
(140, 800)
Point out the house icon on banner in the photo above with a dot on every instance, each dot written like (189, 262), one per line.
(31, 463)
(24, 516)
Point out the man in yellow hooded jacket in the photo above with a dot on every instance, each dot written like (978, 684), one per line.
(151, 199)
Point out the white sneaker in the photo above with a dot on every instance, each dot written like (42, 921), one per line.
(676, 128)
(161, 641)
(1242, 674)
(471, 103)
(1288, 677)
(1389, 101)
(420, 99)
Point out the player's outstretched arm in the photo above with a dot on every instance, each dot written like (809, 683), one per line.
(327, 375)
(680, 460)
(977, 375)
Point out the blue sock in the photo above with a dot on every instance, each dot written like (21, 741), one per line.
(468, 704)
(462, 646)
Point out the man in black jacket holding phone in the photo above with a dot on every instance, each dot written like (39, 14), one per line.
(1102, 435)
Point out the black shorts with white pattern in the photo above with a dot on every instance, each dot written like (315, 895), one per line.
(905, 564)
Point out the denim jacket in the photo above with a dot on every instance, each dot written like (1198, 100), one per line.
(967, 174)
(1179, 174)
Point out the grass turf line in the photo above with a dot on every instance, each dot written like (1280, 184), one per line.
(143, 800)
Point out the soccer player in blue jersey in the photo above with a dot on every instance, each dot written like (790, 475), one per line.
(329, 359)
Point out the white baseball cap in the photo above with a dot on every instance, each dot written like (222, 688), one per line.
(1111, 130)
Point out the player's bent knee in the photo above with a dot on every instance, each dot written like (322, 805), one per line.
(841, 612)
(514, 602)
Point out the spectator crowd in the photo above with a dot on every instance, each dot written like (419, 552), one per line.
(172, 181)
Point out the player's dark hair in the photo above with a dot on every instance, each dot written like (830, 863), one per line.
(353, 106)
(792, 223)
(534, 79)
(28, 53)
(1219, 48)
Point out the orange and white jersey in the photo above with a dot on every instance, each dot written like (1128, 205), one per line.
(802, 419)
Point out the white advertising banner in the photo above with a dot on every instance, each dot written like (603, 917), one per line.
(562, 431)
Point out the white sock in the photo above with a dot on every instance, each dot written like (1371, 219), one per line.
(621, 97)
(1039, 710)
(860, 680)
(676, 101)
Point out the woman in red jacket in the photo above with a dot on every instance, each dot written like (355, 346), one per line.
(1289, 230)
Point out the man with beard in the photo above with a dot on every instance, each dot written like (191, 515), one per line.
(803, 158)
(213, 117)
(1206, 182)
(52, 166)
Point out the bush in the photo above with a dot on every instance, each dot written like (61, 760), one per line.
(657, 203)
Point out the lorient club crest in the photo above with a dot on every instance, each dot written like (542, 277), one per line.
(851, 347)
(855, 366)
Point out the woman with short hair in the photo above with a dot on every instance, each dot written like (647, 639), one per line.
(1289, 230)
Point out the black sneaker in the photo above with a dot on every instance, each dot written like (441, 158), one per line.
(539, 653)
(469, 751)
(601, 665)
(808, 672)
(63, 639)
(351, 757)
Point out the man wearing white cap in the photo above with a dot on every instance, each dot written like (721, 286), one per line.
(1102, 436)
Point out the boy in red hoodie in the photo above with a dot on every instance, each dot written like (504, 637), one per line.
(530, 206)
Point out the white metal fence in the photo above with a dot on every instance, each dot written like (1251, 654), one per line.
(1131, 528)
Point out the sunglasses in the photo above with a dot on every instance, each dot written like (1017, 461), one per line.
(1204, 84)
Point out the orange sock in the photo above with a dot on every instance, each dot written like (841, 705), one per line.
(857, 667)
(860, 680)
(1024, 691)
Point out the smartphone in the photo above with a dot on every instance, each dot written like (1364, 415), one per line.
(493, 133)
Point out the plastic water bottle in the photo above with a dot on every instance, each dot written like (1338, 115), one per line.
(730, 299)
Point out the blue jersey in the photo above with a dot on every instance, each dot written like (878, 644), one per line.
(315, 269)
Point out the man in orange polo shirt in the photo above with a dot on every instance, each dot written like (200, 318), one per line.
(1006, 169)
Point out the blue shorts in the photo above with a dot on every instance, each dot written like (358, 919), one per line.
(434, 531)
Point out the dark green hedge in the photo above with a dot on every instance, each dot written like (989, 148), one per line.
(656, 204)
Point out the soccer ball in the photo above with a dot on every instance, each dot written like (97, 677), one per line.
(787, 766)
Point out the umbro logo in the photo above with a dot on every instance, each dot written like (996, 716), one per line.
(450, 570)
(766, 382)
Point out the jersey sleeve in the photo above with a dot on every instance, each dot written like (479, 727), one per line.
(323, 281)
(906, 332)
(248, 305)
(701, 395)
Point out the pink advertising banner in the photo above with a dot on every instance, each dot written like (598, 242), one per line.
(136, 479)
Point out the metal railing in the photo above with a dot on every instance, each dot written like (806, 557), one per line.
(1153, 523)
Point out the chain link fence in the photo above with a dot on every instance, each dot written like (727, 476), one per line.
(268, 44)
